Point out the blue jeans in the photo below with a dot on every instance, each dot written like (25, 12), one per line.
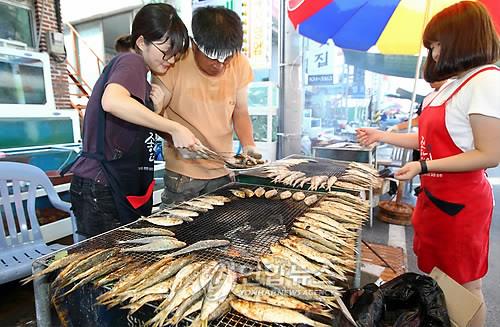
(93, 206)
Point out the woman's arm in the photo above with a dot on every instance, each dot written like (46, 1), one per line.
(367, 136)
(486, 132)
(117, 101)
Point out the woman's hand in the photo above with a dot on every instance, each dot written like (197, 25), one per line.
(183, 137)
(408, 171)
(367, 136)
(157, 96)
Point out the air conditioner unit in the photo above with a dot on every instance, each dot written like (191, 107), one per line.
(13, 44)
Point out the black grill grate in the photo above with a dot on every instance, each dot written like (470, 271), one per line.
(251, 224)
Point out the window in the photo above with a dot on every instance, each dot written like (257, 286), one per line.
(21, 80)
(16, 24)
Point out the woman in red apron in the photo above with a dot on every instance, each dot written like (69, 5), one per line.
(458, 139)
(113, 177)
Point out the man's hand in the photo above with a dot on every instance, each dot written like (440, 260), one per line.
(157, 96)
(251, 150)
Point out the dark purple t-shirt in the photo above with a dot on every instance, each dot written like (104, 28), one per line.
(129, 71)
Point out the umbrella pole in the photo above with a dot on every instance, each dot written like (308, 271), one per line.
(419, 65)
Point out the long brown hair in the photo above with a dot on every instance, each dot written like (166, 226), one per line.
(467, 37)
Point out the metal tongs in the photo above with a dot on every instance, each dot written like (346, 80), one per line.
(206, 153)
(200, 150)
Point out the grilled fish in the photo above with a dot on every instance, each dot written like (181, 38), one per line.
(316, 238)
(58, 264)
(150, 231)
(248, 192)
(182, 213)
(261, 294)
(271, 193)
(330, 182)
(298, 196)
(201, 245)
(238, 193)
(217, 291)
(311, 199)
(199, 204)
(156, 246)
(217, 198)
(270, 313)
(167, 221)
(260, 191)
(147, 240)
(285, 195)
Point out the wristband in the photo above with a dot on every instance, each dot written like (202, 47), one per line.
(423, 167)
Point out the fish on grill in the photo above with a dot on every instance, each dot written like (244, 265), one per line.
(271, 193)
(224, 308)
(77, 267)
(149, 231)
(156, 246)
(163, 221)
(182, 213)
(300, 261)
(315, 256)
(285, 195)
(238, 193)
(254, 293)
(349, 197)
(187, 305)
(189, 208)
(270, 313)
(311, 199)
(199, 204)
(298, 196)
(259, 192)
(318, 239)
(330, 182)
(59, 264)
(187, 290)
(218, 198)
(323, 233)
(198, 246)
(316, 182)
(248, 192)
(217, 291)
(146, 240)
(281, 265)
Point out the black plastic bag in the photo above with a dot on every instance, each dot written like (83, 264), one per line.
(409, 300)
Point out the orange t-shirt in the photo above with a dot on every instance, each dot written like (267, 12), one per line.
(205, 105)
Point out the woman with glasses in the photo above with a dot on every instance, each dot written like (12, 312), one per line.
(113, 177)
(206, 91)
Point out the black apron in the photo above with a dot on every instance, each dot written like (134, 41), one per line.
(130, 174)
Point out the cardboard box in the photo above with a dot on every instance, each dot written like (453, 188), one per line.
(462, 305)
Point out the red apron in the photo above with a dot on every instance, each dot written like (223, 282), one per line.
(453, 214)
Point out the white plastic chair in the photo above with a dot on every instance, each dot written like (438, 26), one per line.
(21, 240)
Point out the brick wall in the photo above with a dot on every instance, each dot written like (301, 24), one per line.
(46, 14)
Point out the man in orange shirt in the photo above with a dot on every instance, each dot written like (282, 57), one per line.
(206, 91)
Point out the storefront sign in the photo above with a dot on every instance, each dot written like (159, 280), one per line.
(320, 79)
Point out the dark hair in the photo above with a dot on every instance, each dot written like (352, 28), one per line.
(217, 30)
(468, 39)
(157, 21)
(123, 43)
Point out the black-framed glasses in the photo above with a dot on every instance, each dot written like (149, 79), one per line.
(166, 55)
